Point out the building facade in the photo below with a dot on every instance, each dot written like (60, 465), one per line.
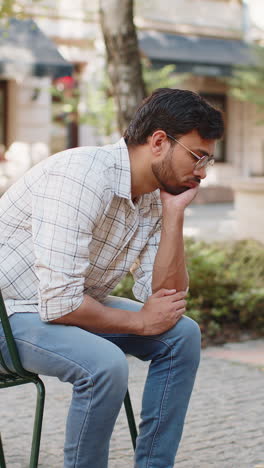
(203, 38)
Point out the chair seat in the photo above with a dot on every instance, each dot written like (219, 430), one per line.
(9, 380)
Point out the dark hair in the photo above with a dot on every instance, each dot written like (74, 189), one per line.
(177, 112)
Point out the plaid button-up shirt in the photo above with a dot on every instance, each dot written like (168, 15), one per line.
(69, 227)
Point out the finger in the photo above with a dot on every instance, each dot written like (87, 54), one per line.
(179, 305)
(176, 296)
(179, 315)
(180, 295)
(164, 292)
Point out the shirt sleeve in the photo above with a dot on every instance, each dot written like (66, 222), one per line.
(65, 207)
(142, 271)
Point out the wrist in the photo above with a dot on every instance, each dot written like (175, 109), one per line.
(138, 323)
(173, 214)
(172, 221)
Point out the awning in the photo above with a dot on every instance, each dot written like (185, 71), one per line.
(199, 55)
(26, 50)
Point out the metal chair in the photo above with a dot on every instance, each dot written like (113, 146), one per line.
(19, 376)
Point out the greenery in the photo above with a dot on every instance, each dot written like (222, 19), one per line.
(14, 8)
(226, 293)
(100, 110)
(247, 83)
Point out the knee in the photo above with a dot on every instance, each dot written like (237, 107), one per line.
(189, 329)
(114, 372)
(189, 334)
(104, 368)
(116, 366)
(109, 379)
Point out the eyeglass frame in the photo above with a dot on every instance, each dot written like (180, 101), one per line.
(203, 161)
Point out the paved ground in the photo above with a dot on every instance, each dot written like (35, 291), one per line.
(224, 426)
(211, 222)
(225, 422)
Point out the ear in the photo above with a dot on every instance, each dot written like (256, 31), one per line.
(158, 141)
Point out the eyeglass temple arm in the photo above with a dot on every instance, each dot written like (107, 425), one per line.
(185, 147)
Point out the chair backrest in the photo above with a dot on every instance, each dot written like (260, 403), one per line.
(11, 344)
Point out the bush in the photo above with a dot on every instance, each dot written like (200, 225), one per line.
(226, 293)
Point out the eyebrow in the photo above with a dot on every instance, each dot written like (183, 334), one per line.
(199, 150)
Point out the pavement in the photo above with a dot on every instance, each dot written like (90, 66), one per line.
(224, 426)
(211, 222)
(225, 422)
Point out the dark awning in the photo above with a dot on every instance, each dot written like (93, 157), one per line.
(195, 54)
(26, 50)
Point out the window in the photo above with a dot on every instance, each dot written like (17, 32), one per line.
(219, 101)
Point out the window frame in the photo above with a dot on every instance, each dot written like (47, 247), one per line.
(214, 99)
(4, 89)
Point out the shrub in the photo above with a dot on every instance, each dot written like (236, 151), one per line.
(226, 293)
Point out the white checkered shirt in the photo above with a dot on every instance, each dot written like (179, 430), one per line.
(69, 227)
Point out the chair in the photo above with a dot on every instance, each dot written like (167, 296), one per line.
(20, 376)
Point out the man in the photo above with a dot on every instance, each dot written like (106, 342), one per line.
(71, 228)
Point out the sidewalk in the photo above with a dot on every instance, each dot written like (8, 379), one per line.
(249, 352)
(224, 426)
(215, 221)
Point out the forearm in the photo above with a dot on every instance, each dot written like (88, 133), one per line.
(95, 317)
(169, 269)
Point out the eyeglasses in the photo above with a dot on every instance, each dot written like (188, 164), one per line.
(204, 161)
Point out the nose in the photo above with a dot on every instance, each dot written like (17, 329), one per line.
(201, 173)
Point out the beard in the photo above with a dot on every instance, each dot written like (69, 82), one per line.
(172, 189)
(163, 172)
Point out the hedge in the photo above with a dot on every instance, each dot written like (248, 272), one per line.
(226, 294)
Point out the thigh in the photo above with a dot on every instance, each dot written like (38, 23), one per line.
(148, 347)
(57, 350)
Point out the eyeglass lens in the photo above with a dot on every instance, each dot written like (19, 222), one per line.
(206, 162)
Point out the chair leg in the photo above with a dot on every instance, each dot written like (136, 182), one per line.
(130, 419)
(2, 457)
(37, 424)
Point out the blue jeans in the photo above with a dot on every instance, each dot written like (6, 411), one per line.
(97, 367)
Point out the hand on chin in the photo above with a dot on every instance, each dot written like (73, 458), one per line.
(181, 199)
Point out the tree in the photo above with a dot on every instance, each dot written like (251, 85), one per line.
(101, 107)
(123, 58)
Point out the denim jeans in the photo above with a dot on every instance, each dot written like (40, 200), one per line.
(97, 367)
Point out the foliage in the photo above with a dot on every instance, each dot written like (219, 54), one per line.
(164, 77)
(66, 95)
(100, 109)
(14, 8)
(101, 105)
(226, 293)
(247, 83)
(124, 288)
(226, 285)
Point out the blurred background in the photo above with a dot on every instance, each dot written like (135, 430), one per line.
(67, 79)
(73, 73)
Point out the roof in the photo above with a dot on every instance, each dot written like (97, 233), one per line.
(194, 53)
(25, 49)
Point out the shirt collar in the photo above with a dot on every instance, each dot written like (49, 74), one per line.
(122, 186)
(123, 170)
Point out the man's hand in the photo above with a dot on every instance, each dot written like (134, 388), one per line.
(162, 311)
(178, 202)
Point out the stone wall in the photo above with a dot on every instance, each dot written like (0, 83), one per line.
(249, 207)
(29, 121)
